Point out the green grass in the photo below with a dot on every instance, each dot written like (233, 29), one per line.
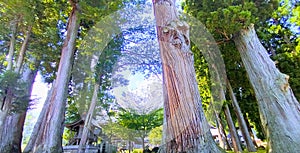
(258, 151)
(135, 151)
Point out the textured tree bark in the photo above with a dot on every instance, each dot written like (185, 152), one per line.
(88, 120)
(233, 133)
(11, 137)
(4, 104)
(186, 128)
(279, 109)
(241, 120)
(51, 136)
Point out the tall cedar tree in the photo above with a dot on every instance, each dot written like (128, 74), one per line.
(186, 128)
(279, 109)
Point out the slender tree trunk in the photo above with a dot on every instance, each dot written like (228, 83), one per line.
(226, 140)
(5, 103)
(250, 131)
(129, 146)
(12, 137)
(279, 109)
(233, 133)
(220, 131)
(143, 142)
(187, 129)
(241, 120)
(23, 51)
(88, 120)
(51, 136)
(11, 49)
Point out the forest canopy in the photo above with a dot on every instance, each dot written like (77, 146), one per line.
(160, 75)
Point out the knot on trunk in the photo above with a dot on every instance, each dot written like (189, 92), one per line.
(161, 2)
(283, 82)
(176, 33)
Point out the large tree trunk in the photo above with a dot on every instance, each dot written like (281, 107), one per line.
(88, 120)
(54, 119)
(279, 109)
(11, 138)
(241, 120)
(186, 128)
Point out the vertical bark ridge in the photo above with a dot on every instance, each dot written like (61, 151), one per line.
(186, 127)
(51, 138)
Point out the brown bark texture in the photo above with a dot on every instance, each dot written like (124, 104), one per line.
(53, 123)
(186, 128)
(279, 109)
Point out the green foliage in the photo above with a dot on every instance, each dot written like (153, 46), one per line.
(104, 72)
(115, 129)
(92, 12)
(281, 39)
(296, 15)
(228, 17)
(137, 151)
(48, 34)
(13, 88)
(72, 113)
(67, 136)
(203, 78)
(143, 122)
(224, 19)
(155, 135)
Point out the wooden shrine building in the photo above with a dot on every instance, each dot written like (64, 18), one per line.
(95, 142)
